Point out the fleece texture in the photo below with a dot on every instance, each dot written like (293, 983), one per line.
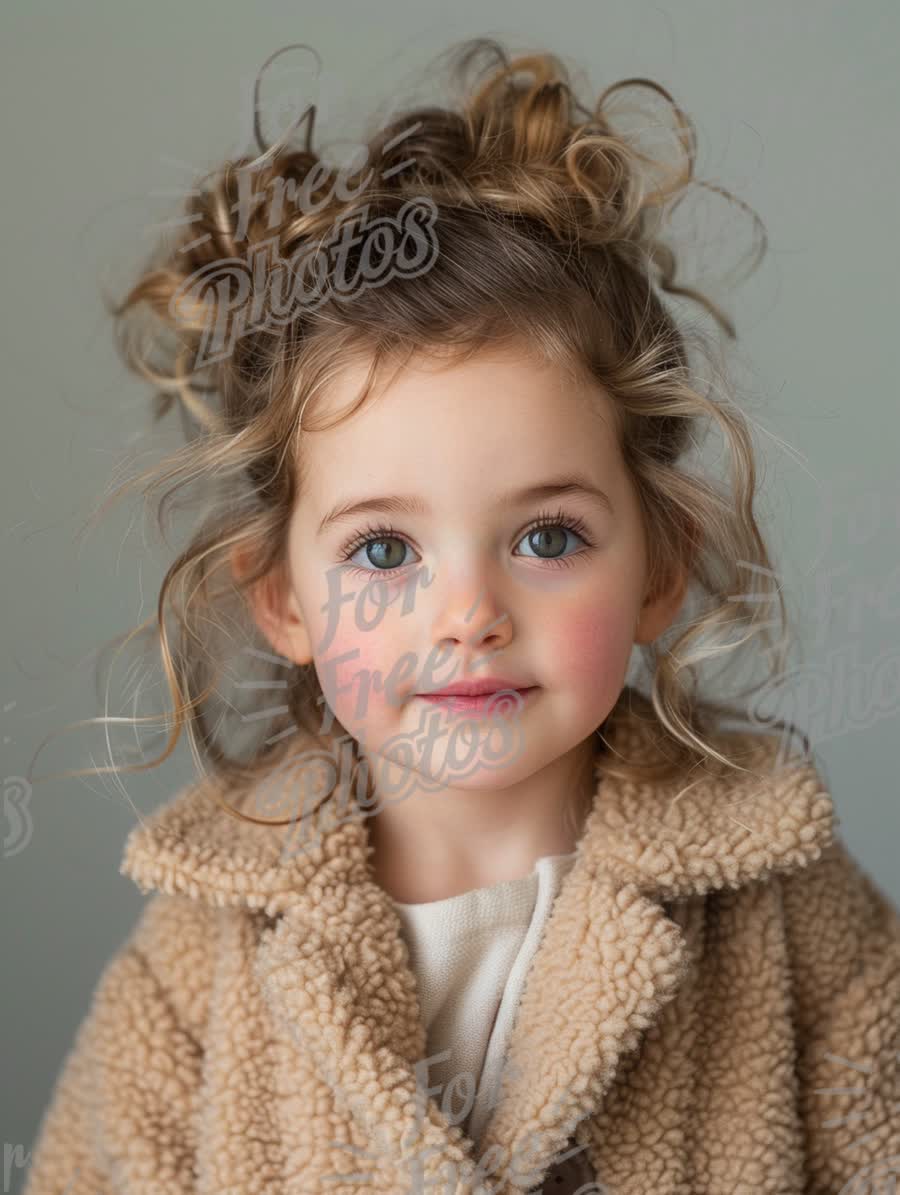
(713, 1009)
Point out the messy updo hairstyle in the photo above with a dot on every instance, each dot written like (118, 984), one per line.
(549, 221)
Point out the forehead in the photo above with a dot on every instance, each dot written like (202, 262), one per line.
(501, 414)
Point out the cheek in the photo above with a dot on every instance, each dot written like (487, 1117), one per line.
(350, 684)
(591, 647)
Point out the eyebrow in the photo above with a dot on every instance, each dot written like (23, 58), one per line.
(573, 484)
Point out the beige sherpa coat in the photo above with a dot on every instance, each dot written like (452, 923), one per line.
(713, 1010)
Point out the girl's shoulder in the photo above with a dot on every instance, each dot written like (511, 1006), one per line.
(175, 942)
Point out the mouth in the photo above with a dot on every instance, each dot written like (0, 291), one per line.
(480, 703)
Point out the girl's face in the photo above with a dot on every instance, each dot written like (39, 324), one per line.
(470, 523)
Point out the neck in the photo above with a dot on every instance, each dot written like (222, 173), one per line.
(435, 844)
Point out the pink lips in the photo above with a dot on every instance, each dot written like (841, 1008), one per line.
(477, 688)
(478, 703)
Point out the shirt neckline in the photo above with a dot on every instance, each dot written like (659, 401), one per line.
(469, 894)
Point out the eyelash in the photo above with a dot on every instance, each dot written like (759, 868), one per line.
(544, 519)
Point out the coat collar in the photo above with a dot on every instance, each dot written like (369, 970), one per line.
(723, 830)
(333, 971)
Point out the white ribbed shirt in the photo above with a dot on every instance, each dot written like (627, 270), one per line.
(470, 954)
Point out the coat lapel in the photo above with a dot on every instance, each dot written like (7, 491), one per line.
(335, 971)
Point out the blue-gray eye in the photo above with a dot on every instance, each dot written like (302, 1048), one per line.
(548, 542)
(386, 553)
(384, 550)
(549, 533)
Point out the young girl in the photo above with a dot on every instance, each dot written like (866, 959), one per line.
(454, 906)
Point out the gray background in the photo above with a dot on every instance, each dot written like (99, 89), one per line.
(107, 104)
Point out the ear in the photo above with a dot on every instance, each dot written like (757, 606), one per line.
(661, 607)
(273, 606)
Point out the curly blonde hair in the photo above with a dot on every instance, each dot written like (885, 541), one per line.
(549, 220)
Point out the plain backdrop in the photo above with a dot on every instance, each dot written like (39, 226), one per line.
(110, 108)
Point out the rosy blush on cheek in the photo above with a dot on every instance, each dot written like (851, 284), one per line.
(352, 673)
(590, 650)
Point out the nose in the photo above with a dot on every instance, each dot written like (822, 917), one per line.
(470, 623)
